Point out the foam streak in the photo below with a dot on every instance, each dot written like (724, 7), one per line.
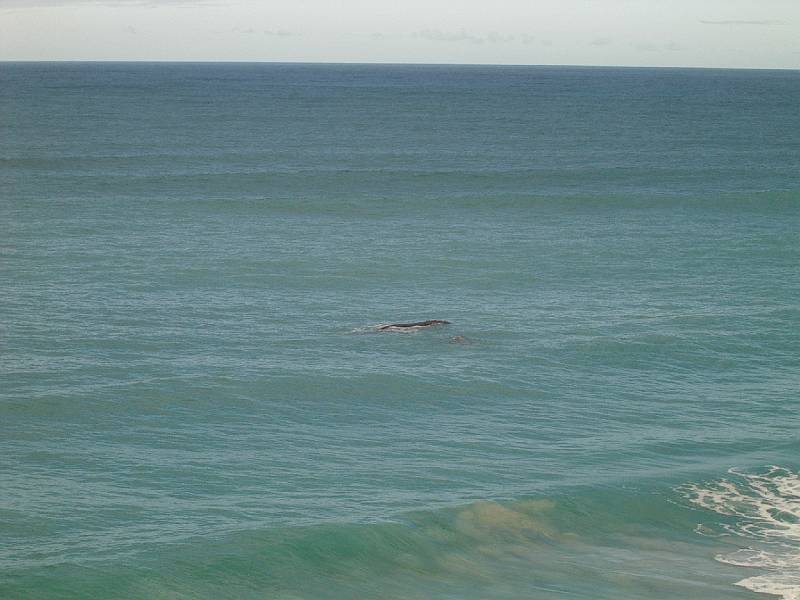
(766, 515)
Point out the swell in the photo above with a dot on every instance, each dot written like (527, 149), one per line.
(601, 543)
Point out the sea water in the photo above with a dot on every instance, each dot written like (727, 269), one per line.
(194, 402)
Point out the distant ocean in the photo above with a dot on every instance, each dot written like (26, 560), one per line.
(195, 403)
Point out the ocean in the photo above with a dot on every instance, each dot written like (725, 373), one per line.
(196, 401)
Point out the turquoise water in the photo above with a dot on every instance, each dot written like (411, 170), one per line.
(195, 402)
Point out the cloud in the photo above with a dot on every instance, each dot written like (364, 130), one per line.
(646, 47)
(436, 35)
(499, 38)
(267, 32)
(651, 47)
(279, 33)
(733, 22)
(13, 5)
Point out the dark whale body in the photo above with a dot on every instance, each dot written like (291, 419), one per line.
(412, 326)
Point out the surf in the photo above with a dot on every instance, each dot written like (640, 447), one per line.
(762, 515)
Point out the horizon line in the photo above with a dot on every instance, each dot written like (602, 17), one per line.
(387, 63)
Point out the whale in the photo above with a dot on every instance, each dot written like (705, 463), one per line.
(412, 326)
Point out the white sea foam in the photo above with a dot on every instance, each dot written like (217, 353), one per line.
(765, 515)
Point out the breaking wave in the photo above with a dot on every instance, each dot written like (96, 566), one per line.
(762, 512)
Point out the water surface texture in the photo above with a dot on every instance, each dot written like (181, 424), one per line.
(194, 402)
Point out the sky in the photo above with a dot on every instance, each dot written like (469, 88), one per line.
(692, 33)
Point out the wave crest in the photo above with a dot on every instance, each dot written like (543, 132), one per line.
(764, 512)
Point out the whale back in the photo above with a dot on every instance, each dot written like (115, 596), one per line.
(417, 325)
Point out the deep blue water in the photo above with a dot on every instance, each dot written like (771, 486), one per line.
(194, 401)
